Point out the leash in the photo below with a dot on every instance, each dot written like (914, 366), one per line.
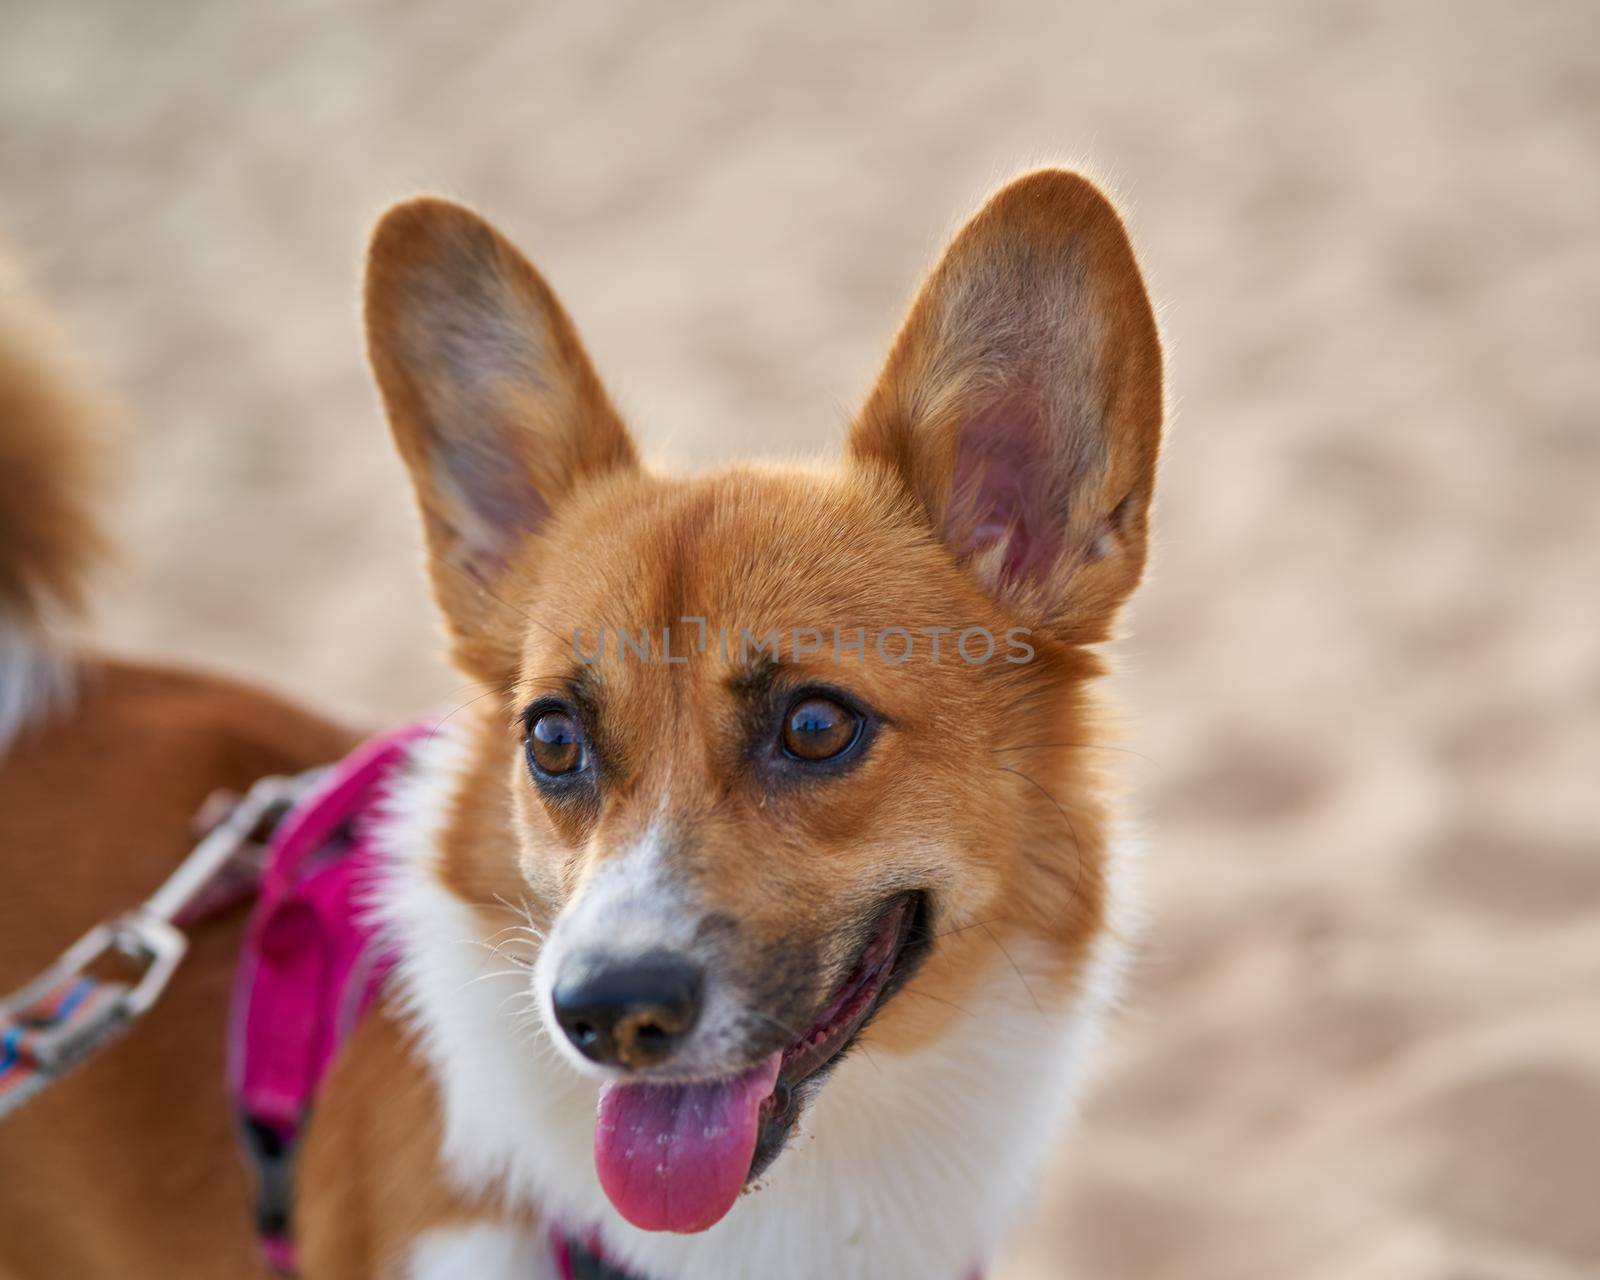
(66, 1015)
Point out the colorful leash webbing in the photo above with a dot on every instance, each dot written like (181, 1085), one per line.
(80, 1011)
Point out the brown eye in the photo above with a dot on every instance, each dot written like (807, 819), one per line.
(819, 729)
(555, 743)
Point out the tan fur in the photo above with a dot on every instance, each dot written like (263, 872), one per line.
(982, 787)
(53, 436)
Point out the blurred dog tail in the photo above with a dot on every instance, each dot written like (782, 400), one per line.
(54, 436)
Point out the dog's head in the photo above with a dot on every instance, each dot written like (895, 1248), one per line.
(781, 749)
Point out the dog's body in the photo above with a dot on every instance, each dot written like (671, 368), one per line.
(628, 882)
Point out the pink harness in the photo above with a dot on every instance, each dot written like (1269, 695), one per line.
(311, 964)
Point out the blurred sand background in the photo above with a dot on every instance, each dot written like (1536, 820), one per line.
(1364, 1039)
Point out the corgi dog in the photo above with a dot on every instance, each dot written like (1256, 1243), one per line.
(759, 921)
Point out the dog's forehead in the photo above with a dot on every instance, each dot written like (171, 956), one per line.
(675, 609)
(747, 550)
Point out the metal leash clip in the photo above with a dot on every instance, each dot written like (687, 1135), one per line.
(65, 1014)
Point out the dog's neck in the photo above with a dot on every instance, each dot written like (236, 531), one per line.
(910, 1165)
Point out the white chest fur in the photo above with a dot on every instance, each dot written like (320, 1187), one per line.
(907, 1166)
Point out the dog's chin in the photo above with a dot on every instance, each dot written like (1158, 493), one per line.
(899, 940)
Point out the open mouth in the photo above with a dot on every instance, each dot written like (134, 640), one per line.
(883, 962)
(674, 1157)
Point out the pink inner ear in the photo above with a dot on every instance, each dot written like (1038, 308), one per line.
(1005, 487)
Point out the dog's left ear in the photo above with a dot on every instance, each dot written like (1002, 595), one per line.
(494, 406)
(1021, 404)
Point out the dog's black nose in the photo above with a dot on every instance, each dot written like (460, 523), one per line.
(631, 1012)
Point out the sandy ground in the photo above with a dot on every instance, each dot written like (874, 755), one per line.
(1364, 1039)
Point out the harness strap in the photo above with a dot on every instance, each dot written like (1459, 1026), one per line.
(311, 963)
(582, 1260)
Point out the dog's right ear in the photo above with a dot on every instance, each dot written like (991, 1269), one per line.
(494, 406)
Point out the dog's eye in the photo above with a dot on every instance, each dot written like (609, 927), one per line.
(817, 729)
(555, 743)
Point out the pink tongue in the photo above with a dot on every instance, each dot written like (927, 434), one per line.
(674, 1157)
